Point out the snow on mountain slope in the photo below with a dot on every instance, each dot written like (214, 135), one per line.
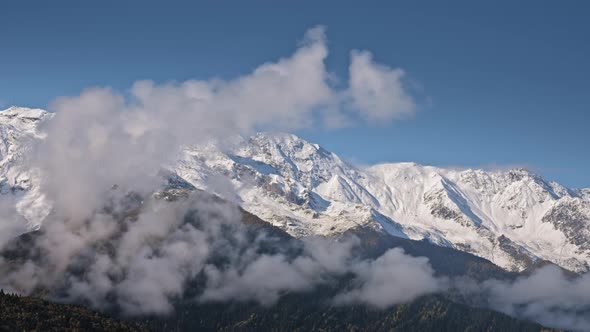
(502, 216)
(291, 183)
(584, 194)
(513, 218)
(18, 182)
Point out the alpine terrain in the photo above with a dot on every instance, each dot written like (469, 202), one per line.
(513, 218)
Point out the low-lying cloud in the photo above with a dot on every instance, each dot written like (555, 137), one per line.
(141, 261)
(391, 279)
(548, 296)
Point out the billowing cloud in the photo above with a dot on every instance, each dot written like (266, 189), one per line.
(377, 91)
(102, 137)
(267, 277)
(11, 222)
(391, 279)
(141, 260)
(107, 237)
(548, 296)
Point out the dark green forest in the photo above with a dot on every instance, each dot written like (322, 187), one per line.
(293, 313)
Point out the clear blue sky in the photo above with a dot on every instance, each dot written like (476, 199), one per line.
(509, 81)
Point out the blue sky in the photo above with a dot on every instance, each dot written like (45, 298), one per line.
(498, 84)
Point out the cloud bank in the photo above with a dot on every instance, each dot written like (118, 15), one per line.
(141, 261)
(548, 296)
(391, 279)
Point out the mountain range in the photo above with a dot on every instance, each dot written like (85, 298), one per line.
(513, 218)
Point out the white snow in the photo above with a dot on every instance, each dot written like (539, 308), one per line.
(18, 182)
(510, 217)
(306, 190)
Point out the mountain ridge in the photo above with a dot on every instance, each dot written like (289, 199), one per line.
(513, 218)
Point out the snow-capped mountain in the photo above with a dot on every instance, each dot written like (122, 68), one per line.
(513, 218)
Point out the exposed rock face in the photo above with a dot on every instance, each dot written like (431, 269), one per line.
(571, 215)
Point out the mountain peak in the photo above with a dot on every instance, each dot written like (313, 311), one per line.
(277, 136)
(286, 148)
(283, 139)
(22, 120)
(520, 173)
(24, 113)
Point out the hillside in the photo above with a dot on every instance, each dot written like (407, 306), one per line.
(293, 313)
(25, 313)
(308, 313)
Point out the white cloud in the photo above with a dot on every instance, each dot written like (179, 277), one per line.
(547, 296)
(391, 279)
(377, 91)
(101, 138)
